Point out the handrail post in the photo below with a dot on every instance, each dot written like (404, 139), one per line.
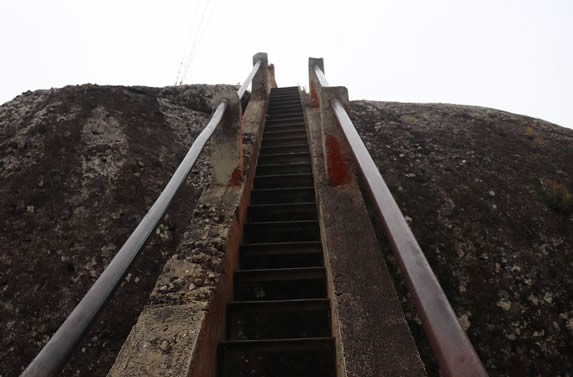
(259, 83)
(227, 153)
(338, 157)
(314, 83)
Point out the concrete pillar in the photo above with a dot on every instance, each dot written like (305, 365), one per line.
(313, 83)
(227, 155)
(260, 81)
(338, 157)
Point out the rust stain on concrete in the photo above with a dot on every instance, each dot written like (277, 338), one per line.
(337, 167)
(314, 95)
(236, 177)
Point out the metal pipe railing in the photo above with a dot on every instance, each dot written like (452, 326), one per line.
(249, 78)
(53, 356)
(453, 350)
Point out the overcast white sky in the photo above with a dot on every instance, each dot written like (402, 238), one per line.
(515, 55)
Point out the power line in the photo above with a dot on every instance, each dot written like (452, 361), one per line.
(197, 34)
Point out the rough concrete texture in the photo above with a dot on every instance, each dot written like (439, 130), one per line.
(363, 295)
(79, 167)
(167, 333)
(488, 195)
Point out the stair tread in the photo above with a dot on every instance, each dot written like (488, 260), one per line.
(301, 161)
(283, 155)
(285, 189)
(283, 137)
(284, 175)
(290, 243)
(266, 147)
(304, 301)
(281, 222)
(280, 270)
(301, 341)
(280, 248)
(291, 127)
(273, 205)
(249, 250)
(268, 132)
(283, 114)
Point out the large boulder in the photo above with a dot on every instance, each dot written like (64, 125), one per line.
(489, 196)
(79, 167)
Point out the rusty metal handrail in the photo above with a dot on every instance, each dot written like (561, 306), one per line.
(53, 356)
(453, 350)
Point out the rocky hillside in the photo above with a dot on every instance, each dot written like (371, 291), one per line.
(79, 167)
(489, 196)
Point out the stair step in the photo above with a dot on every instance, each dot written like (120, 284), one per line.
(284, 137)
(277, 114)
(285, 127)
(281, 248)
(282, 195)
(281, 255)
(287, 167)
(282, 212)
(261, 257)
(284, 114)
(281, 231)
(279, 149)
(273, 155)
(281, 120)
(307, 357)
(272, 124)
(283, 181)
(284, 143)
(282, 157)
(285, 99)
(281, 319)
(285, 106)
(275, 94)
(282, 134)
(280, 284)
(279, 100)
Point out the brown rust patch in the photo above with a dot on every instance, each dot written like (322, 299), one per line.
(337, 167)
(314, 94)
(236, 177)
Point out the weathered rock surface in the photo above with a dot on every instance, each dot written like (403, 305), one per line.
(485, 192)
(79, 167)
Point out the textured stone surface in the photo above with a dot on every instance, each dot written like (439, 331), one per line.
(476, 186)
(79, 167)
